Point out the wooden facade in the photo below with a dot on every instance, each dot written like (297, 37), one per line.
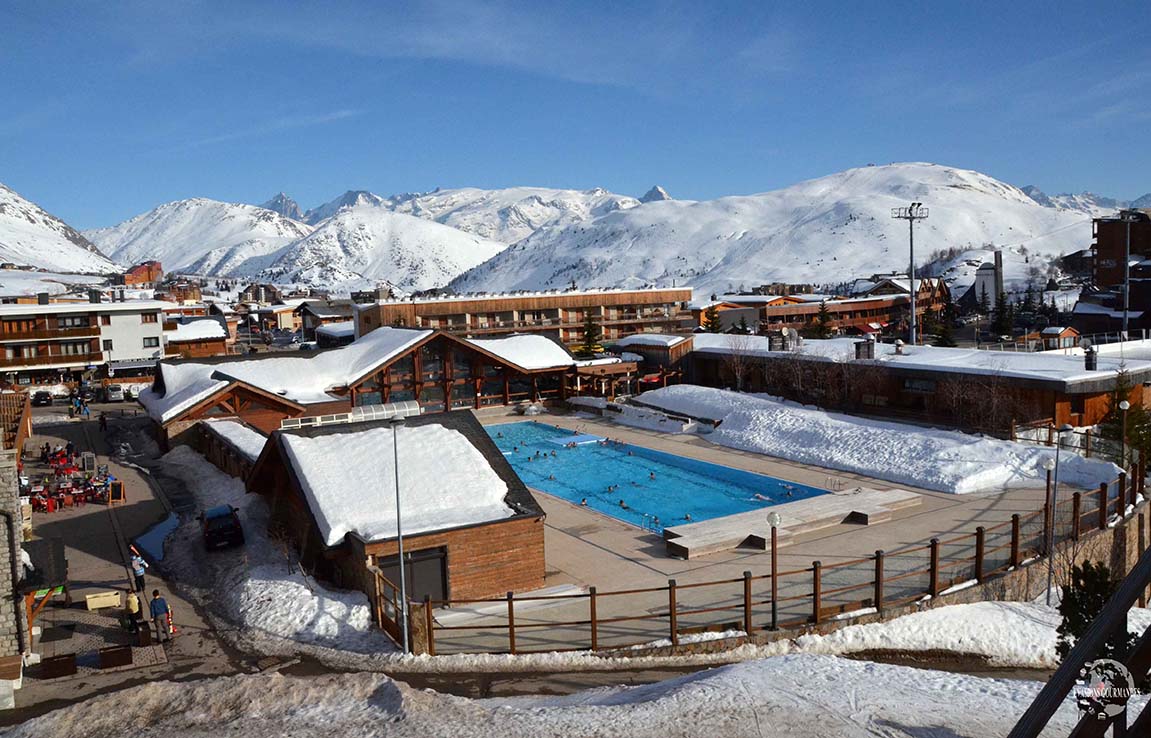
(619, 313)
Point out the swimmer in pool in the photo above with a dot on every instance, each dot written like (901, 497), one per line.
(583, 502)
(623, 504)
(651, 476)
(551, 477)
(761, 498)
(687, 517)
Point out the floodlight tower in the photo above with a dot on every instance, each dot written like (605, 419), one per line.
(914, 212)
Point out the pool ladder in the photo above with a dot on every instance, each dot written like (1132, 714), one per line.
(652, 523)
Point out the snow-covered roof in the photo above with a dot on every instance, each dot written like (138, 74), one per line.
(1090, 308)
(445, 481)
(1024, 365)
(197, 330)
(530, 351)
(242, 437)
(128, 306)
(651, 339)
(302, 378)
(338, 330)
(470, 296)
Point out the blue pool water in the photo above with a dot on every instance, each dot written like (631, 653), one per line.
(659, 489)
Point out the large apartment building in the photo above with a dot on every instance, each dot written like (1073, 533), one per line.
(46, 343)
(557, 313)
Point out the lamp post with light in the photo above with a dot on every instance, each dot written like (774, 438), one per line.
(395, 424)
(774, 520)
(1052, 502)
(1124, 406)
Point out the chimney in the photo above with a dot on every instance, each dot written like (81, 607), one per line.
(41, 298)
(1090, 359)
(865, 349)
(94, 297)
(899, 347)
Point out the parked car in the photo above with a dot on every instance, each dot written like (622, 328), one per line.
(221, 527)
(309, 346)
(41, 397)
(113, 393)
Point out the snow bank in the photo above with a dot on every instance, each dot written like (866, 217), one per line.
(343, 329)
(347, 477)
(803, 696)
(946, 461)
(260, 587)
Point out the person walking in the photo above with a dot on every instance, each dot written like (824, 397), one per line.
(103, 423)
(159, 610)
(138, 568)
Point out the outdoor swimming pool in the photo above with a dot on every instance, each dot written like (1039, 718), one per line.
(658, 489)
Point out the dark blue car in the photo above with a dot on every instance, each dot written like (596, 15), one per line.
(221, 527)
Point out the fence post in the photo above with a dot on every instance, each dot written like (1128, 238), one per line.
(594, 619)
(1087, 443)
(1015, 540)
(879, 581)
(671, 612)
(980, 538)
(1048, 513)
(1102, 505)
(933, 587)
(816, 590)
(429, 624)
(1132, 492)
(511, 622)
(747, 602)
(1050, 434)
(1121, 494)
(1076, 514)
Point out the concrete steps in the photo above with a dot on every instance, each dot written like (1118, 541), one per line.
(858, 506)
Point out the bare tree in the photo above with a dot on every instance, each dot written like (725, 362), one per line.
(738, 359)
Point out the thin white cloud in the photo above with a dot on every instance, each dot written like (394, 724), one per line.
(274, 126)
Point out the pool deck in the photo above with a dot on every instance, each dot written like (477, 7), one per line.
(586, 548)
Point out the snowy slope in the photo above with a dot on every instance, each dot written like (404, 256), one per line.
(362, 245)
(350, 199)
(30, 236)
(201, 236)
(1087, 203)
(285, 206)
(512, 214)
(823, 231)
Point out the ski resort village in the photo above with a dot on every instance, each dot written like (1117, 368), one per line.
(814, 438)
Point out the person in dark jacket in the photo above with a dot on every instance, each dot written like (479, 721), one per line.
(159, 609)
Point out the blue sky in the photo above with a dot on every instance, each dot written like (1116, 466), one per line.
(109, 109)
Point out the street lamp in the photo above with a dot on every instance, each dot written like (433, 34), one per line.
(1050, 465)
(395, 424)
(914, 212)
(1124, 406)
(774, 520)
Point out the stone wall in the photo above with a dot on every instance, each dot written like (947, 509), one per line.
(13, 618)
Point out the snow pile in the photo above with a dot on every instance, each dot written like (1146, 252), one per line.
(246, 439)
(830, 229)
(197, 330)
(946, 461)
(343, 329)
(445, 481)
(803, 696)
(529, 351)
(259, 586)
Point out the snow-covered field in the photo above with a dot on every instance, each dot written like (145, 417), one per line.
(260, 587)
(804, 696)
(946, 461)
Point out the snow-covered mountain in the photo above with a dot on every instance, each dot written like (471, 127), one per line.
(201, 236)
(512, 214)
(349, 199)
(285, 206)
(655, 194)
(821, 231)
(365, 244)
(1088, 203)
(30, 236)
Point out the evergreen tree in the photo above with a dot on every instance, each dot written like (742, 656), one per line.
(945, 337)
(1084, 596)
(984, 301)
(821, 327)
(1138, 421)
(1002, 318)
(711, 322)
(591, 336)
(743, 326)
(1028, 304)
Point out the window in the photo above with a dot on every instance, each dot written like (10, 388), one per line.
(73, 321)
(149, 318)
(151, 342)
(107, 344)
(105, 320)
(74, 348)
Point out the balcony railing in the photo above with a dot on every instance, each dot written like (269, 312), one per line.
(21, 362)
(91, 331)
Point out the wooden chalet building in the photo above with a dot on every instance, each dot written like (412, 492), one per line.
(438, 370)
(471, 528)
(314, 314)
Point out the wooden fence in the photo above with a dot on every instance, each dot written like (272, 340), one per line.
(675, 613)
